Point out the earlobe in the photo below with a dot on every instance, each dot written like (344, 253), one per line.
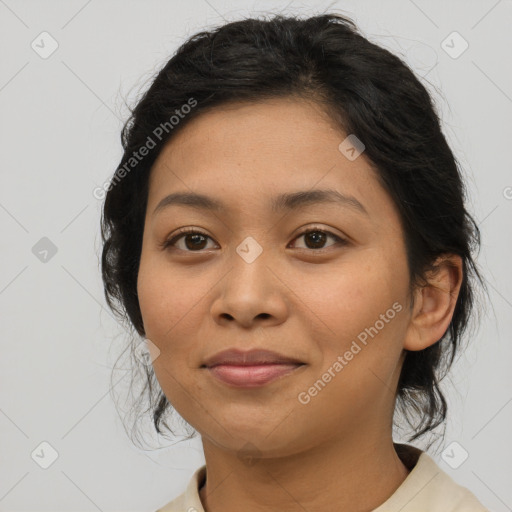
(434, 303)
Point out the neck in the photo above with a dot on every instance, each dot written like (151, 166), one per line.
(356, 475)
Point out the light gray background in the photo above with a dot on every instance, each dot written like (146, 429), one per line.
(59, 132)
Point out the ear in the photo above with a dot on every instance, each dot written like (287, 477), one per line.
(434, 303)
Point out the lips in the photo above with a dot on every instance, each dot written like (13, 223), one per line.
(250, 376)
(251, 368)
(252, 357)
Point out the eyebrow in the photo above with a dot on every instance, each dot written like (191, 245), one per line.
(288, 201)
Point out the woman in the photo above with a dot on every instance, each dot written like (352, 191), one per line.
(287, 229)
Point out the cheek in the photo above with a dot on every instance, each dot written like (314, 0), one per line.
(166, 299)
(169, 305)
(360, 300)
(173, 310)
(356, 321)
(345, 295)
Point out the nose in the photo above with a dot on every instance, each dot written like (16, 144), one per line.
(250, 294)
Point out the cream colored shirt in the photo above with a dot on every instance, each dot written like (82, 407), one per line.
(427, 488)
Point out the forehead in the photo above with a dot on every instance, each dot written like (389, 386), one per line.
(246, 153)
(246, 131)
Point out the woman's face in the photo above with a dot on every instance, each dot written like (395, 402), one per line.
(256, 281)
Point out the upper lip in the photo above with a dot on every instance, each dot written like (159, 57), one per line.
(249, 357)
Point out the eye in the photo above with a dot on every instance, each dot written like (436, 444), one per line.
(315, 238)
(194, 240)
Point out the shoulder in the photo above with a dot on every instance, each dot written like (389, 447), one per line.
(188, 500)
(428, 488)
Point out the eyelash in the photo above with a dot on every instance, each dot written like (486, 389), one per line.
(188, 231)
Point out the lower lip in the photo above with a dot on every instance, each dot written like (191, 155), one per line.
(251, 376)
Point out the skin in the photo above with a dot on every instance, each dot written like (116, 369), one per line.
(290, 299)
